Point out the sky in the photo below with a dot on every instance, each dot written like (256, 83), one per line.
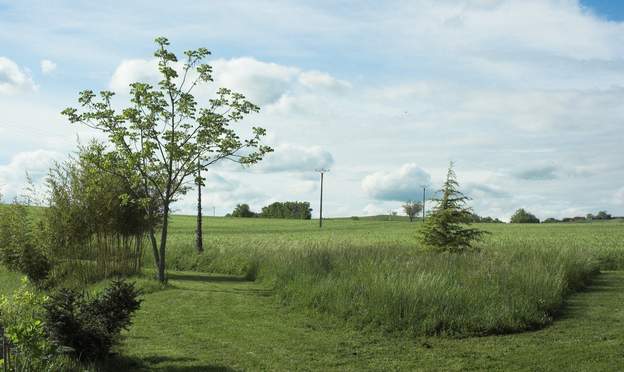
(524, 96)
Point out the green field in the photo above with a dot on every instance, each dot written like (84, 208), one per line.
(363, 295)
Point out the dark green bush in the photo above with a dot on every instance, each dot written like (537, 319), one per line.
(35, 265)
(89, 327)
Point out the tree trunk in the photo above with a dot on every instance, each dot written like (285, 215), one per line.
(411, 218)
(162, 276)
(199, 238)
(152, 236)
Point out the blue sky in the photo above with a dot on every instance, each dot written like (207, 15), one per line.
(610, 9)
(524, 95)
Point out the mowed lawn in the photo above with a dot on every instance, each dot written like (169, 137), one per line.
(210, 322)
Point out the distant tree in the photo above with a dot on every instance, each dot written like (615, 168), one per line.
(243, 210)
(165, 138)
(522, 216)
(447, 229)
(589, 217)
(290, 210)
(551, 220)
(603, 215)
(411, 209)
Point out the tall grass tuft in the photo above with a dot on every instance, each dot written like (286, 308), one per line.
(432, 294)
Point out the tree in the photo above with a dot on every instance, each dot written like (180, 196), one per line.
(603, 215)
(522, 216)
(447, 229)
(164, 138)
(411, 209)
(290, 209)
(243, 210)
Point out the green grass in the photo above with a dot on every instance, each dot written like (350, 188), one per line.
(363, 295)
(229, 242)
(208, 322)
(9, 281)
(374, 274)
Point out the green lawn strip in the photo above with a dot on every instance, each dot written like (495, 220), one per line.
(9, 281)
(208, 322)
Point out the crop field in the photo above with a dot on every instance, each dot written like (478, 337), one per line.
(362, 295)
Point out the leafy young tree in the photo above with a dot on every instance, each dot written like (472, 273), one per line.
(411, 209)
(164, 139)
(522, 216)
(447, 229)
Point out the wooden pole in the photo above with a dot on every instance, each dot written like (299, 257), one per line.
(423, 206)
(321, 208)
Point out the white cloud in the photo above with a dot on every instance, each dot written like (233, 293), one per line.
(14, 79)
(47, 66)
(134, 70)
(402, 184)
(13, 174)
(618, 197)
(292, 158)
(262, 82)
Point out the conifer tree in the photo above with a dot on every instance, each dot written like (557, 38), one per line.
(447, 228)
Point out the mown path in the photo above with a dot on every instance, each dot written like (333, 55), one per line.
(209, 322)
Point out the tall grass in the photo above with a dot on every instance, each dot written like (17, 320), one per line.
(399, 290)
(374, 275)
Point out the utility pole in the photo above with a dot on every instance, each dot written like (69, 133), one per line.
(322, 172)
(214, 212)
(423, 207)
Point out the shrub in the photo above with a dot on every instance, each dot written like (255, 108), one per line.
(21, 315)
(15, 234)
(19, 237)
(35, 265)
(96, 222)
(89, 327)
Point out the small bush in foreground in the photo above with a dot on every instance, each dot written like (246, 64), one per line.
(87, 328)
(21, 316)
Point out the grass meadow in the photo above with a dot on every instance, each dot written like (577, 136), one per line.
(374, 273)
(363, 294)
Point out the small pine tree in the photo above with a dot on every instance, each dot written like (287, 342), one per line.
(446, 228)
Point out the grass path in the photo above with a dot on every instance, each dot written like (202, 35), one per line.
(209, 322)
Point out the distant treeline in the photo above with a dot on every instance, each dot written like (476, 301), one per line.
(600, 216)
(522, 216)
(289, 210)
